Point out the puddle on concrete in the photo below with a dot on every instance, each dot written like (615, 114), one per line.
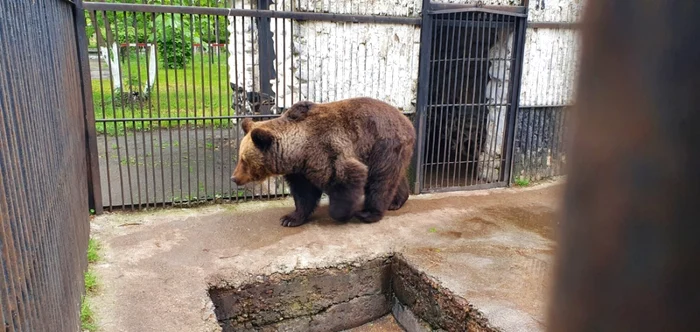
(357, 297)
(541, 220)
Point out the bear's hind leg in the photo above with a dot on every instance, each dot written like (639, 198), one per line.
(385, 176)
(401, 196)
(346, 189)
(306, 197)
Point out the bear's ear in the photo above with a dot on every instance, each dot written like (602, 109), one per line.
(247, 125)
(299, 111)
(262, 138)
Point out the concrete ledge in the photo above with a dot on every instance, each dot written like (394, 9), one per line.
(490, 249)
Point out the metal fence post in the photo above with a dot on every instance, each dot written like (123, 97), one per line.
(422, 98)
(516, 79)
(93, 176)
(266, 56)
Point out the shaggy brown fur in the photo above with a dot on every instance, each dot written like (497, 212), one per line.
(345, 148)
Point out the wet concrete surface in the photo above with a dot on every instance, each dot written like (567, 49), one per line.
(493, 248)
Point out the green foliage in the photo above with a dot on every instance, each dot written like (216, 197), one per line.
(93, 252)
(173, 33)
(175, 40)
(522, 182)
(91, 281)
(87, 319)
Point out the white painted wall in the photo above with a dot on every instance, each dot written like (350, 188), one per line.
(555, 10)
(550, 67)
(331, 61)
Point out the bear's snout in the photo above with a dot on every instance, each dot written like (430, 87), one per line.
(236, 180)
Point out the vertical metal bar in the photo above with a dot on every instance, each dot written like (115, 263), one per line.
(158, 111)
(190, 45)
(424, 58)
(235, 94)
(7, 253)
(516, 76)
(530, 141)
(141, 113)
(204, 113)
(176, 73)
(439, 108)
(132, 115)
(152, 123)
(458, 95)
(18, 134)
(221, 104)
(560, 140)
(100, 43)
(466, 59)
(166, 69)
(504, 30)
(472, 82)
(110, 41)
(448, 103)
(94, 184)
(479, 97)
(212, 111)
(124, 123)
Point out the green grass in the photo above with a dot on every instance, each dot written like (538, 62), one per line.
(197, 90)
(522, 182)
(93, 252)
(91, 284)
(87, 316)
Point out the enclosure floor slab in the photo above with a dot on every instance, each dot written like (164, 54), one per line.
(494, 248)
(384, 324)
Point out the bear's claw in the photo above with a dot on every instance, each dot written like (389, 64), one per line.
(368, 216)
(291, 220)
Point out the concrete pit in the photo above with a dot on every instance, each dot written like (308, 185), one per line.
(343, 298)
(469, 261)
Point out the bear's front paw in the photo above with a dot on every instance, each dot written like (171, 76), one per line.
(369, 216)
(395, 206)
(292, 220)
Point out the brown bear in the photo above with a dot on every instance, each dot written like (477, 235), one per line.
(344, 148)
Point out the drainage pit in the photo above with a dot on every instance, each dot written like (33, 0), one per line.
(356, 297)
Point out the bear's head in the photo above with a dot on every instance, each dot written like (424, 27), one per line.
(252, 165)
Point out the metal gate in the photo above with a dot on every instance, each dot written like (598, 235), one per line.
(173, 83)
(44, 211)
(471, 63)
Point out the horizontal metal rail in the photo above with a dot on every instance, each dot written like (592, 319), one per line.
(554, 25)
(458, 7)
(499, 11)
(302, 16)
(546, 106)
(200, 118)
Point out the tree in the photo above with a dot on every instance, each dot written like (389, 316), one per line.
(174, 34)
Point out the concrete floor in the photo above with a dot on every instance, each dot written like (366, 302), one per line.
(494, 248)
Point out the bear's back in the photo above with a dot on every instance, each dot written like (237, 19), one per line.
(368, 118)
